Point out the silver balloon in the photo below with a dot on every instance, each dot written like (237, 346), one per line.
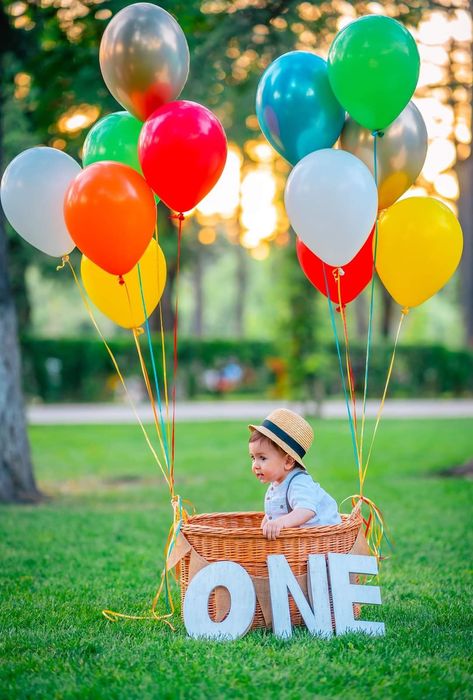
(400, 151)
(144, 58)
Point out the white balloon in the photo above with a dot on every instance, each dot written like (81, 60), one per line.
(32, 194)
(332, 201)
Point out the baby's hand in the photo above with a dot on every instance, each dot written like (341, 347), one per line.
(272, 528)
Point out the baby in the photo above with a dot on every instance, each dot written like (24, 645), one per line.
(293, 499)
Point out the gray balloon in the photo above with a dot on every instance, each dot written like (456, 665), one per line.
(144, 58)
(400, 151)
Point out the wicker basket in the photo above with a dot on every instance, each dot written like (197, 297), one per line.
(237, 537)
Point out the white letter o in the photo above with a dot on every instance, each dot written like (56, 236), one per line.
(237, 581)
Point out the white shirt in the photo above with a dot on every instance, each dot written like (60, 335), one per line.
(301, 491)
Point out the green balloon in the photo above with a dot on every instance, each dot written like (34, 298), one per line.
(115, 137)
(373, 67)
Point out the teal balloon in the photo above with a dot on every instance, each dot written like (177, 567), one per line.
(115, 137)
(373, 68)
(295, 105)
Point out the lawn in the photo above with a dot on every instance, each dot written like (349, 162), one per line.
(98, 543)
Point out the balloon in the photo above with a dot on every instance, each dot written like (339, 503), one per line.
(356, 274)
(115, 137)
(123, 303)
(331, 201)
(144, 58)
(182, 151)
(400, 152)
(419, 247)
(111, 214)
(373, 67)
(32, 194)
(296, 108)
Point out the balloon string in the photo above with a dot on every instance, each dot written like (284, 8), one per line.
(114, 616)
(152, 402)
(337, 273)
(349, 367)
(165, 377)
(404, 312)
(117, 369)
(180, 218)
(340, 364)
(136, 333)
(151, 352)
(375, 525)
(64, 261)
(180, 515)
(370, 317)
(163, 357)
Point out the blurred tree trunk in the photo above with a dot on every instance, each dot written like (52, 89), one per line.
(17, 483)
(241, 279)
(297, 338)
(167, 304)
(167, 238)
(387, 309)
(361, 316)
(465, 175)
(198, 293)
(464, 169)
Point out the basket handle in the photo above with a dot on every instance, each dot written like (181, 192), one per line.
(356, 507)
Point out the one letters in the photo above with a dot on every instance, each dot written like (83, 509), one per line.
(315, 611)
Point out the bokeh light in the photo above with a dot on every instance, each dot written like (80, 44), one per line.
(78, 118)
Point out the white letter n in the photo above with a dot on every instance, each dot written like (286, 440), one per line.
(282, 581)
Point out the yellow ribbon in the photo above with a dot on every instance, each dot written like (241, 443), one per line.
(404, 312)
(375, 526)
(179, 512)
(152, 402)
(111, 614)
(180, 515)
(115, 364)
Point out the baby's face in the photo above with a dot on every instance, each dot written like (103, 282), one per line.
(268, 464)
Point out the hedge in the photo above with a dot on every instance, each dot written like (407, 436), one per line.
(79, 369)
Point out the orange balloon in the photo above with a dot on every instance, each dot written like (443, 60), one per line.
(110, 213)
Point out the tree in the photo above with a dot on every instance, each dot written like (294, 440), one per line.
(465, 173)
(17, 482)
(466, 217)
(230, 42)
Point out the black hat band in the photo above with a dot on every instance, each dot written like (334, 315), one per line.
(282, 435)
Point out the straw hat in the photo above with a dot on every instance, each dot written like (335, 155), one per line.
(288, 430)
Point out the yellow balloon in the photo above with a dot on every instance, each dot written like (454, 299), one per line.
(419, 246)
(123, 303)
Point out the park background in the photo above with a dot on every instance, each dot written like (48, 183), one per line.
(95, 534)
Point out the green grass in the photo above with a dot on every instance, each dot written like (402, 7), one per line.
(98, 543)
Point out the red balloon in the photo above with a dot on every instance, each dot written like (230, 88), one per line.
(182, 152)
(357, 273)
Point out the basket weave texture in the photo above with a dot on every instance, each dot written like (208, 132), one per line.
(237, 537)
